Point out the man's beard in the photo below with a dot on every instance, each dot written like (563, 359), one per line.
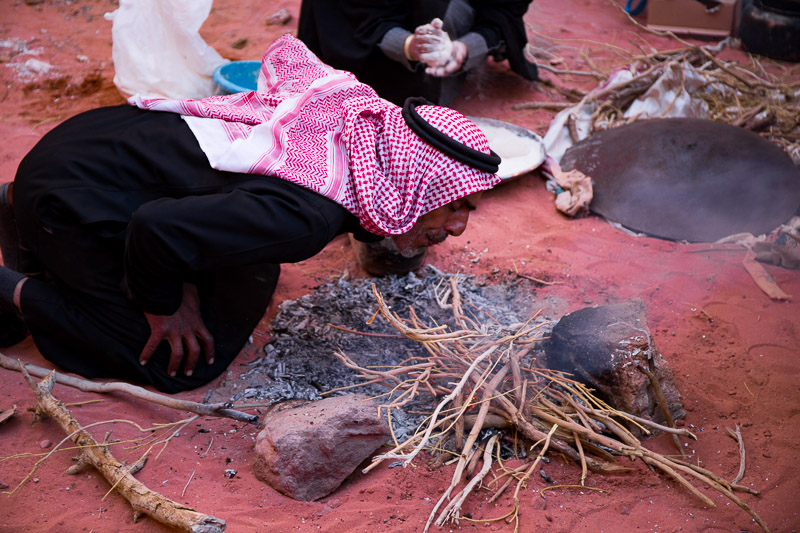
(406, 251)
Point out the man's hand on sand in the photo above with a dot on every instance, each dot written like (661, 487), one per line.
(185, 332)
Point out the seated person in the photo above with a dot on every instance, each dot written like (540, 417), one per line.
(143, 242)
(418, 48)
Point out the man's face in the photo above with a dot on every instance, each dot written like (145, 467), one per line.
(435, 226)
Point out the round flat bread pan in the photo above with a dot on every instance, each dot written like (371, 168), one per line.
(688, 179)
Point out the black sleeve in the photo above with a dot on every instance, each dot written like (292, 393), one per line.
(169, 239)
(346, 33)
(500, 23)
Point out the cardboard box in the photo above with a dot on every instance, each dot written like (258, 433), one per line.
(690, 16)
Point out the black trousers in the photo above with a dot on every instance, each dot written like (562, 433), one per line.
(116, 208)
(103, 337)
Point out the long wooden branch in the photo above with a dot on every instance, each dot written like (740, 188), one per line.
(210, 409)
(142, 499)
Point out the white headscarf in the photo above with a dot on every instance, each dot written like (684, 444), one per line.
(322, 129)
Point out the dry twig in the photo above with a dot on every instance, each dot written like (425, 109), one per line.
(142, 499)
(737, 436)
(216, 409)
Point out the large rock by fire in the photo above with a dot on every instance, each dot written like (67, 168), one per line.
(610, 349)
(306, 452)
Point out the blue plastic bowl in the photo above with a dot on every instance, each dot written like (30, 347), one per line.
(237, 76)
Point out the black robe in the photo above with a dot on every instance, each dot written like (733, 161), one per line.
(346, 35)
(117, 208)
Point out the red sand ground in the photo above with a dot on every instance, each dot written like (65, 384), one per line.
(734, 352)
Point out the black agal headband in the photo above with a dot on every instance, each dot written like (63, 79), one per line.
(447, 145)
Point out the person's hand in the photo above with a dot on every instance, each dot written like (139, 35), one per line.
(458, 55)
(185, 332)
(431, 45)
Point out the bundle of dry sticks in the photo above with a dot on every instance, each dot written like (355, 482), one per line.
(476, 378)
(762, 99)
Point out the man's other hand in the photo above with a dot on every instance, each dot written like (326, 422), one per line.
(185, 332)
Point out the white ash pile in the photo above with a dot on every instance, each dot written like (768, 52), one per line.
(299, 364)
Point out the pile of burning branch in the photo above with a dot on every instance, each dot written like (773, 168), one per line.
(478, 377)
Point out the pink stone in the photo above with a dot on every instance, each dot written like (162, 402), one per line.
(306, 452)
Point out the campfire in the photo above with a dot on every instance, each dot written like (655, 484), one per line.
(461, 378)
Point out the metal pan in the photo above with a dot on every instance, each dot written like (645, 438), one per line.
(520, 149)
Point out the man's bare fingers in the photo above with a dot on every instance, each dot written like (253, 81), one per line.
(149, 349)
(429, 41)
(449, 68)
(192, 354)
(207, 340)
(175, 355)
(436, 72)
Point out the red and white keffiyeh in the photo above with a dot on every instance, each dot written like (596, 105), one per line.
(322, 129)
